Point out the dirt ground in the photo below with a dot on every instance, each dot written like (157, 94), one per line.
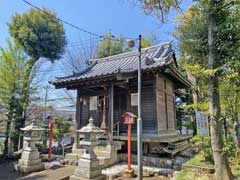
(56, 172)
(7, 172)
(146, 178)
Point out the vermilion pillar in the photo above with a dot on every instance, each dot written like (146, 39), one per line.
(129, 147)
(50, 142)
(129, 120)
(51, 122)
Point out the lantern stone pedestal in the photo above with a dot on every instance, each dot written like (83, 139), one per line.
(88, 165)
(30, 160)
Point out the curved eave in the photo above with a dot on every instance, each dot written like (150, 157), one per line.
(77, 82)
(173, 71)
(73, 82)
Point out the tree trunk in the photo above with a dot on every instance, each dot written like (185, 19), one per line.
(225, 127)
(5, 150)
(234, 133)
(222, 169)
(196, 93)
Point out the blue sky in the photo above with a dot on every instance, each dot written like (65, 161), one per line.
(120, 17)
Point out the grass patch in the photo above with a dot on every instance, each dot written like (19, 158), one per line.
(189, 174)
(235, 167)
(184, 174)
(197, 161)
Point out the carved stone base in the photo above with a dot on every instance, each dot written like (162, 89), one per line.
(88, 169)
(73, 177)
(106, 154)
(29, 169)
(29, 162)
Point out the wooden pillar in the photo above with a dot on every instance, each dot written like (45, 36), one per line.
(103, 124)
(78, 115)
(111, 111)
(78, 110)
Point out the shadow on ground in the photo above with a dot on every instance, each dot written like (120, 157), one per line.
(7, 172)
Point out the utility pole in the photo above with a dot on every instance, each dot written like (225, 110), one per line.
(131, 44)
(44, 115)
(139, 119)
(45, 102)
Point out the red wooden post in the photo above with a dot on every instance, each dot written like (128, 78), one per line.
(129, 120)
(51, 122)
(129, 147)
(50, 142)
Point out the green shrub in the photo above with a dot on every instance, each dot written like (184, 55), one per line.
(1, 146)
(230, 148)
(203, 146)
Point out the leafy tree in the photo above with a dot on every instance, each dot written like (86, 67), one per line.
(230, 100)
(110, 46)
(148, 41)
(217, 40)
(13, 63)
(208, 40)
(159, 8)
(40, 35)
(61, 128)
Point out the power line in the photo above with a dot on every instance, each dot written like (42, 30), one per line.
(72, 25)
(53, 70)
(63, 21)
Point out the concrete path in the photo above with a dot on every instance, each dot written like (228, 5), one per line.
(56, 172)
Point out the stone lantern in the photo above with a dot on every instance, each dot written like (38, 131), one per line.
(88, 164)
(30, 160)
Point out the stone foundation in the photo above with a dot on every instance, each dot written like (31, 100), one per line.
(170, 163)
(29, 162)
(106, 154)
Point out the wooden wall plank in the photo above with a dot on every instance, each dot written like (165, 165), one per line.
(165, 103)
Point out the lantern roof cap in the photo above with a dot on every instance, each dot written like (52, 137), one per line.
(129, 114)
(32, 127)
(90, 127)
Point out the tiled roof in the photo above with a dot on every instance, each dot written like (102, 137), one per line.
(152, 57)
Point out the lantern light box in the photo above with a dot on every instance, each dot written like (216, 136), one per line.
(128, 118)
